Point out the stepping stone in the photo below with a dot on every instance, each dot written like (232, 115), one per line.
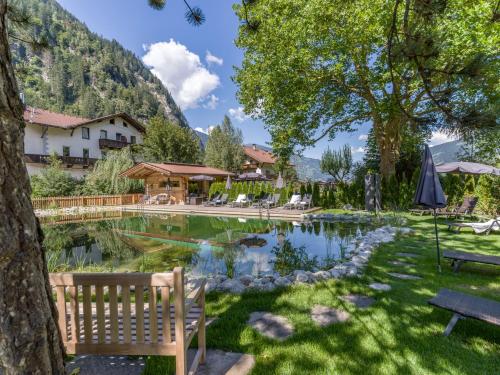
(408, 255)
(273, 326)
(359, 300)
(404, 276)
(219, 362)
(324, 316)
(380, 286)
(399, 263)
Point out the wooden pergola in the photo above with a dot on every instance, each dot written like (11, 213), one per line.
(172, 178)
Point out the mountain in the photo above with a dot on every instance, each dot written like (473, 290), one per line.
(446, 152)
(82, 73)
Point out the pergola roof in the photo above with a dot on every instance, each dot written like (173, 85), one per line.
(143, 170)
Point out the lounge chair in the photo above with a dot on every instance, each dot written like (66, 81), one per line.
(306, 202)
(260, 202)
(486, 227)
(465, 209)
(293, 202)
(222, 200)
(466, 306)
(239, 201)
(272, 201)
(249, 200)
(460, 257)
(212, 201)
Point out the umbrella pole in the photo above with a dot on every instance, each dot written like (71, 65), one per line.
(437, 241)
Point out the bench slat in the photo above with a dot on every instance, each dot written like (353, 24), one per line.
(113, 313)
(87, 313)
(165, 303)
(99, 297)
(467, 305)
(75, 313)
(153, 319)
(139, 313)
(126, 314)
(61, 307)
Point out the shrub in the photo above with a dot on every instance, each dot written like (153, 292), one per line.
(53, 181)
(488, 192)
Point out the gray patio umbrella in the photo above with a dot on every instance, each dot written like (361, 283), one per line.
(201, 177)
(466, 167)
(252, 176)
(429, 192)
(279, 182)
(228, 183)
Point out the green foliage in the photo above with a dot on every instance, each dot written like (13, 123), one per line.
(289, 258)
(166, 141)
(337, 164)
(316, 194)
(53, 181)
(105, 179)
(488, 192)
(224, 148)
(88, 75)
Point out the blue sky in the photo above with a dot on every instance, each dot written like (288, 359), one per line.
(195, 63)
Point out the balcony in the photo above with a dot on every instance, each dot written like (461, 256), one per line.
(66, 160)
(111, 143)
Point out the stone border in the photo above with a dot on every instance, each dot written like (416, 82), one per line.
(353, 266)
(356, 217)
(76, 210)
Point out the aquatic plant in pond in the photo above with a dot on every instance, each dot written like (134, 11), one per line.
(289, 258)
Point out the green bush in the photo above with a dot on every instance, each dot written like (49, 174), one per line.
(488, 192)
(53, 181)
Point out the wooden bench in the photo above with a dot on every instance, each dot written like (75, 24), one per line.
(460, 257)
(133, 314)
(466, 306)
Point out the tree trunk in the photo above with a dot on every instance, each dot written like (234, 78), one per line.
(388, 136)
(30, 341)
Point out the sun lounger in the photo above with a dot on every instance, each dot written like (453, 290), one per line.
(466, 306)
(259, 202)
(466, 209)
(293, 202)
(305, 203)
(460, 257)
(222, 200)
(239, 201)
(211, 202)
(272, 201)
(486, 227)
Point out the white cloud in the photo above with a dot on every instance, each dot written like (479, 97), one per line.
(358, 150)
(205, 130)
(211, 102)
(212, 59)
(439, 137)
(182, 72)
(363, 137)
(238, 114)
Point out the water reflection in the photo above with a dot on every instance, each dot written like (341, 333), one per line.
(203, 244)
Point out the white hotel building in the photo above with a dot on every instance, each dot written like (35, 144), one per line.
(78, 142)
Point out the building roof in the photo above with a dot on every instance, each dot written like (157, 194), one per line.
(259, 155)
(142, 170)
(59, 120)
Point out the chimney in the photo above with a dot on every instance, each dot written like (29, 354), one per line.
(254, 146)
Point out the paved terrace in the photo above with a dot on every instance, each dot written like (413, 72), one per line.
(223, 211)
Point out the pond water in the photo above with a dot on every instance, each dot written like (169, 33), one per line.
(203, 244)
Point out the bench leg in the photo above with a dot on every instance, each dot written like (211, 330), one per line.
(456, 265)
(202, 346)
(454, 319)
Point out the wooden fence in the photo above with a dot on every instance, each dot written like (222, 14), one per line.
(85, 200)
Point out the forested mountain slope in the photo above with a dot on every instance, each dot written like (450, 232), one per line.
(82, 73)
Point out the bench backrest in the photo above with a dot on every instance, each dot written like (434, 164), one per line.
(114, 313)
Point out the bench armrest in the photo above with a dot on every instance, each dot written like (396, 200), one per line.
(195, 294)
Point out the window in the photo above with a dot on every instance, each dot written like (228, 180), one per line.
(118, 136)
(125, 124)
(85, 133)
(85, 153)
(112, 121)
(132, 139)
(104, 134)
(65, 150)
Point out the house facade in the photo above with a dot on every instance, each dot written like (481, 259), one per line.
(78, 142)
(258, 160)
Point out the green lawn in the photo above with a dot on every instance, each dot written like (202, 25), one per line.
(399, 334)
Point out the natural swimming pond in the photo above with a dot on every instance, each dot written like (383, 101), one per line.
(203, 244)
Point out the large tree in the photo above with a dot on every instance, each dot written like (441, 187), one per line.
(166, 141)
(313, 68)
(30, 341)
(224, 147)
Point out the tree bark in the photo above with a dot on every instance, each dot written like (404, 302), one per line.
(388, 136)
(30, 342)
